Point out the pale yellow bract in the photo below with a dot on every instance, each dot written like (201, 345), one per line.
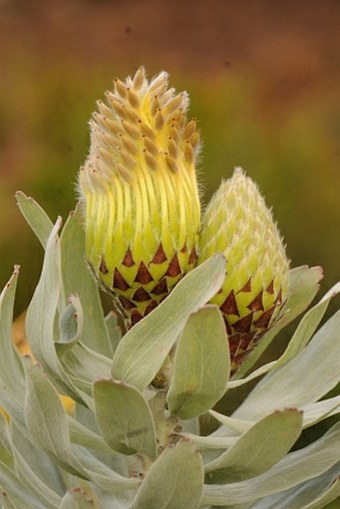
(140, 194)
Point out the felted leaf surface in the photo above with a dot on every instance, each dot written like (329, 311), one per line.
(312, 494)
(77, 279)
(295, 468)
(174, 481)
(35, 216)
(124, 418)
(258, 449)
(201, 364)
(12, 387)
(293, 384)
(41, 317)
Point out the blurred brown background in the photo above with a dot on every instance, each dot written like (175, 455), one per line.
(263, 77)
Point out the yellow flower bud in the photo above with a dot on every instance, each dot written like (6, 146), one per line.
(238, 223)
(140, 194)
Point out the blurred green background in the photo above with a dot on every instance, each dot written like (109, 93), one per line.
(263, 77)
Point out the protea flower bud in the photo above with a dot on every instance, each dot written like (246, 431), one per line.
(139, 188)
(238, 223)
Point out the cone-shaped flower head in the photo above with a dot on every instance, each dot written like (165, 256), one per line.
(140, 193)
(238, 223)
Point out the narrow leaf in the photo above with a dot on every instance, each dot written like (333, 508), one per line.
(41, 316)
(39, 462)
(25, 470)
(307, 326)
(124, 418)
(20, 496)
(293, 384)
(6, 453)
(12, 387)
(78, 280)
(318, 411)
(258, 449)
(5, 502)
(98, 472)
(142, 351)
(45, 416)
(295, 468)
(312, 494)
(174, 481)
(35, 216)
(327, 497)
(83, 366)
(201, 365)
(70, 324)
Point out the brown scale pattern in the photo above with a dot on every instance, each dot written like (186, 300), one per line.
(174, 268)
(130, 297)
(160, 255)
(119, 282)
(244, 334)
(143, 276)
(128, 259)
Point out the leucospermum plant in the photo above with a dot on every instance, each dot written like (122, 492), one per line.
(227, 293)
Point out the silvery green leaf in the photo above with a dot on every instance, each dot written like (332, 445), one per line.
(307, 326)
(201, 364)
(25, 471)
(41, 316)
(238, 425)
(295, 468)
(70, 324)
(43, 467)
(304, 285)
(45, 417)
(84, 431)
(5, 502)
(75, 498)
(35, 216)
(124, 418)
(47, 421)
(78, 279)
(330, 495)
(179, 473)
(113, 501)
(20, 496)
(48, 425)
(83, 365)
(209, 442)
(12, 387)
(100, 474)
(6, 454)
(258, 449)
(312, 414)
(312, 494)
(86, 437)
(294, 383)
(142, 351)
(318, 411)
